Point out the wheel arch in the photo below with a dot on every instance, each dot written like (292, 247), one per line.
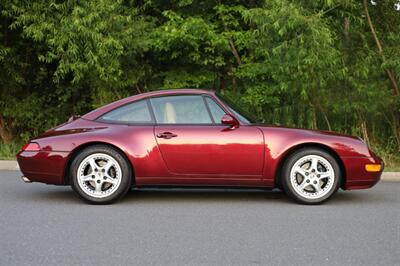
(291, 150)
(81, 147)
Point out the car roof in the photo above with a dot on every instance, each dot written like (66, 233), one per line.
(106, 108)
(171, 92)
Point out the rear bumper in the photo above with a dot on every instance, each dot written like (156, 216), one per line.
(357, 177)
(43, 166)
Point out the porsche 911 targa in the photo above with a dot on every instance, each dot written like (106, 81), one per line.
(191, 137)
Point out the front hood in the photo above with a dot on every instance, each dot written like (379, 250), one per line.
(343, 145)
(305, 131)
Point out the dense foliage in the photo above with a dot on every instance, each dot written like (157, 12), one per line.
(326, 64)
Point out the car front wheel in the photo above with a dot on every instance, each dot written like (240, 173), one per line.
(311, 176)
(100, 174)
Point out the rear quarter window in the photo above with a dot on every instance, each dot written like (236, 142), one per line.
(136, 112)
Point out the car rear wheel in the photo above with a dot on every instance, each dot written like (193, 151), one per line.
(100, 174)
(311, 176)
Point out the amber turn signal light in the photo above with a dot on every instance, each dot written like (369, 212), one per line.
(373, 167)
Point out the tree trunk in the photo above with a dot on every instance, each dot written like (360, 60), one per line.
(222, 83)
(232, 45)
(235, 52)
(389, 73)
(314, 119)
(396, 129)
(364, 130)
(326, 119)
(5, 134)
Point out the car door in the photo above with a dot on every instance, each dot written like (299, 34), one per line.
(193, 142)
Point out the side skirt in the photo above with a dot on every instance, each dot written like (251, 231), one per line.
(193, 188)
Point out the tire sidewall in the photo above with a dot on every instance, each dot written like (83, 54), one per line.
(126, 177)
(287, 186)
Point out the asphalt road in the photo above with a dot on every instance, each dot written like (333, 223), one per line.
(49, 225)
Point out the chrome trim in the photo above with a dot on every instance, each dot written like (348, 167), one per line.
(25, 179)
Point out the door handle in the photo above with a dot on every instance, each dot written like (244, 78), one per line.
(166, 135)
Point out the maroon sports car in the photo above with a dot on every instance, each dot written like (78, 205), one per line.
(191, 137)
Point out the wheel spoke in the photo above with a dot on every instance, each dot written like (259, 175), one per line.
(301, 171)
(317, 187)
(314, 164)
(86, 178)
(93, 164)
(107, 166)
(98, 186)
(325, 175)
(110, 180)
(304, 184)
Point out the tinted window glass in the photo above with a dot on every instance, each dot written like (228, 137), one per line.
(180, 110)
(137, 112)
(216, 111)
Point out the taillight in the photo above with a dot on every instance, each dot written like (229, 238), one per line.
(31, 146)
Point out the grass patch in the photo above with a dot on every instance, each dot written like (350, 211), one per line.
(392, 161)
(8, 151)
(392, 169)
(389, 153)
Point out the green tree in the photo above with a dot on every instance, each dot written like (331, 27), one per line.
(326, 64)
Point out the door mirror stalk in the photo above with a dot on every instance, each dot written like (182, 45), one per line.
(230, 121)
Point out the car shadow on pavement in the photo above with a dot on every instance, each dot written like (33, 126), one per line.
(153, 196)
(256, 196)
(67, 195)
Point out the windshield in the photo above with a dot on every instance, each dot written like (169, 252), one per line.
(240, 114)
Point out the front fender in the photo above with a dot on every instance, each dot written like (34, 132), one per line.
(280, 142)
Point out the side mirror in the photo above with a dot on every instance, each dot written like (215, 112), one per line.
(230, 121)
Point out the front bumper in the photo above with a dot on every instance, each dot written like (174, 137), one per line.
(357, 177)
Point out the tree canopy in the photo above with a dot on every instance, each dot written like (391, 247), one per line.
(325, 64)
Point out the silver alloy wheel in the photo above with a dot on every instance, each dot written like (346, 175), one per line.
(99, 175)
(312, 176)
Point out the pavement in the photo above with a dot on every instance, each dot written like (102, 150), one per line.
(50, 225)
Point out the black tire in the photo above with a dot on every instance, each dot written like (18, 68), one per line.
(289, 164)
(126, 177)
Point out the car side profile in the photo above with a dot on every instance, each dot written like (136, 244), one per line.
(191, 137)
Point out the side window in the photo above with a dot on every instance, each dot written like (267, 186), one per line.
(184, 109)
(136, 112)
(216, 111)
